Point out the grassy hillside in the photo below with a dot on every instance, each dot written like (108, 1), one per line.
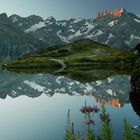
(78, 56)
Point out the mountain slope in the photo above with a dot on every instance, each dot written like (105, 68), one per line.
(21, 35)
(13, 42)
(24, 22)
(119, 31)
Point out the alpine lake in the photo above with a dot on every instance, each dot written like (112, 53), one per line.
(37, 91)
(34, 106)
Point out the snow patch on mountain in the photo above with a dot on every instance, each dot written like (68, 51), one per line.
(77, 20)
(59, 78)
(50, 18)
(35, 86)
(110, 92)
(14, 93)
(112, 23)
(20, 24)
(61, 23)
(76, 34)
(88, 87)
(98, 33)
(98, 83)
(14, 19)
(48, 22)
(63, 38)
(110, 36)
(110, 80)
(75, 93)
(89, 27)
(71, 30)
(137, 20)
(35, 27)
(134, 37)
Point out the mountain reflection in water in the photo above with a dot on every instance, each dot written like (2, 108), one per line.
(114, 90)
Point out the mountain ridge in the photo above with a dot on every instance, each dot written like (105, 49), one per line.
(106, 29)
(115, 31)
(104, 89)
(14, 42)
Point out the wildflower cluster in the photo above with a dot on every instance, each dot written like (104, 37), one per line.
(89, 109)
(105, 132)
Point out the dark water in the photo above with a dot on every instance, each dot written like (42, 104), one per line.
(34, 106)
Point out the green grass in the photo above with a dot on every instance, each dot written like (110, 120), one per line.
(79, 56)
(33, 64)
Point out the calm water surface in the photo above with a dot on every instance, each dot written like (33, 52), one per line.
(34, 106)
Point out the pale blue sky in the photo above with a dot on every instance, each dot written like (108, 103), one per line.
(65, 9)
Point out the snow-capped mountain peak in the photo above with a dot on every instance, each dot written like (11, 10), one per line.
(116, 28)
(112, 27)
(51, 19)
(14, 17)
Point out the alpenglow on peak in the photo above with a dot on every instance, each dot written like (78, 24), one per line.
(116, 13)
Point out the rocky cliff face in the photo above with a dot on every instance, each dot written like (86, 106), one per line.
(116, 13)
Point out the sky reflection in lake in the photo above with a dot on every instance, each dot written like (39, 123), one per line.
(39, 116)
